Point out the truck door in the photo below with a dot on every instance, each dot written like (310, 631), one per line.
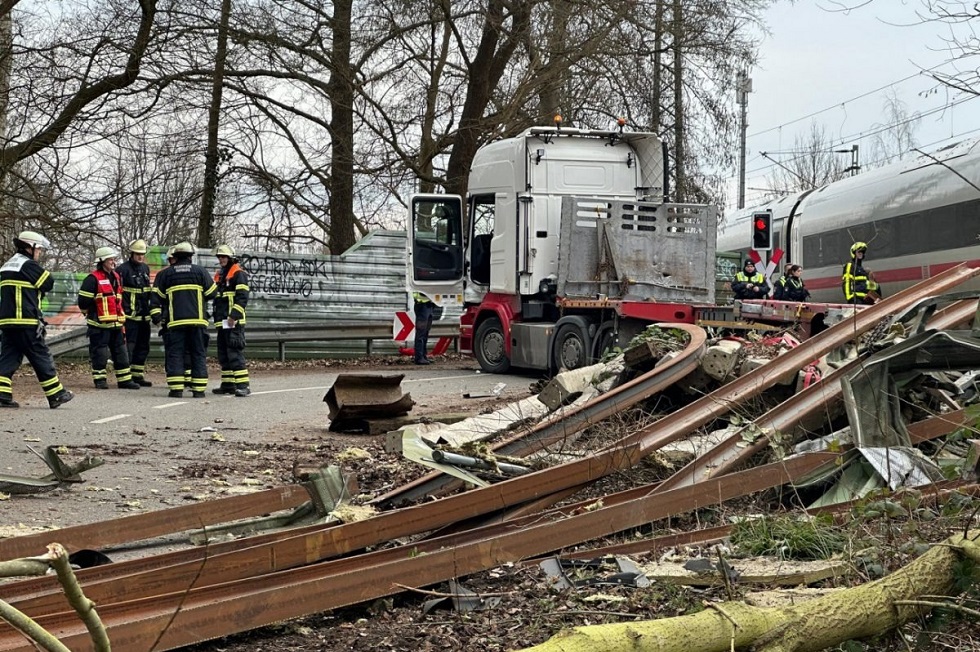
(435, 246)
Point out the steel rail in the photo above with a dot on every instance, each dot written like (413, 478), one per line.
(166, 621)
(230, 561)
(682, 422)
(158, 523)
(721, 401)
(566, 423)
(790, 413)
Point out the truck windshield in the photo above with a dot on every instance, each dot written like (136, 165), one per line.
(437, 239)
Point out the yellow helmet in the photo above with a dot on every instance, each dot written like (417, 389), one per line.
(137, 246)
(103, 254)
(224, 250)
(858, 246)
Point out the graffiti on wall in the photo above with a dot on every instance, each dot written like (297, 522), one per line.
(284, 276)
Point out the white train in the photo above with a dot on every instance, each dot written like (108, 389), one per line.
(919, 217)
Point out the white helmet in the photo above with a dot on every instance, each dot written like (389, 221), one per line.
(224, 250)
(137, 247)
(103, 254)
(184, 248)
(33, 239)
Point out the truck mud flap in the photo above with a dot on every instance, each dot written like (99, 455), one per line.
(354, 399)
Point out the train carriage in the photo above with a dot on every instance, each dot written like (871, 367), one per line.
(919, 217)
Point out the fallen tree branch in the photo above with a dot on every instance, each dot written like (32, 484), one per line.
(859, 612)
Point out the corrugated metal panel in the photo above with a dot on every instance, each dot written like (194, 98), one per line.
(366, 283)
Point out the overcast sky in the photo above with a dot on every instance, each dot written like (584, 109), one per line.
(824, 66)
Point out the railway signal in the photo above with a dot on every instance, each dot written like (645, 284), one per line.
(762, 231)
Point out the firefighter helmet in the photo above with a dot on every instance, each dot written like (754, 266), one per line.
(224, 250)
(170, 251)
(184, 248)
(137, 246)
(103, 254)
(32, 239)
(858, 246)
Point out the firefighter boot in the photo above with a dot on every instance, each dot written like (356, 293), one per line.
(60, 399)
(8, 402)
(101, 384)
(129, 384)
(242, 391)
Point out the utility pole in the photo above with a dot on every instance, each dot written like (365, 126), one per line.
(742, 90)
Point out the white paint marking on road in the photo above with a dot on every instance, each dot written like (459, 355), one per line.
(108, 419)
(326, 387)
(167, 405)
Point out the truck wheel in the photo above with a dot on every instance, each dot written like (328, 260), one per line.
(605, 340)
(490, 348)
(571, 351)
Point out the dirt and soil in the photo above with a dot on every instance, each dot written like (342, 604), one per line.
(529, 610)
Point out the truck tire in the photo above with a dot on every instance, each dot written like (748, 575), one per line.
(606, 340)
(490, 347)
(571, 348)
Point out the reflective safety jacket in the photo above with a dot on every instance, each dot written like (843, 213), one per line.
(23, 283)
(232, 296)
(179, 291)
(743, 280)
(855, 282)
(136, 290)
(790, 288)
(101, 298)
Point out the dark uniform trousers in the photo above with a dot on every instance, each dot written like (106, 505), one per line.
(18, 343)
(138, 345)
(105, 343)
(186, 343)
(231, 356)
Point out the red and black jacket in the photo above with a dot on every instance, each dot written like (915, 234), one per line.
(101, 298)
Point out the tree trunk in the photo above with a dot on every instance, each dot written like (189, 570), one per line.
(341, 92)
(656, 117)
(680, 182)
(485, 71)
(859, 612)
(205, 223)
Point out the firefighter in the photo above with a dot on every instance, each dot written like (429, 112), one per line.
(229, 318)
(858, 283)
(100, 298)
(181, 291)
(135, 274)
(423, 323)
(750, 284)
(790, 286)
(23, 283)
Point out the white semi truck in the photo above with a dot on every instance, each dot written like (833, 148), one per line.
(568, 248)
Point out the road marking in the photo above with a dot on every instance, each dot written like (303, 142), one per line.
(108, 419)
(326, 387)
(167, 405)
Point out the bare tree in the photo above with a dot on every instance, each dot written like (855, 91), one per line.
(894, 139)
(811, 164)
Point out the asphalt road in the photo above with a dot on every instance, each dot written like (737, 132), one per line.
(276, 398)
(149, 441)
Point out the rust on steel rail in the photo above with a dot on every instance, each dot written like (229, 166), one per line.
(153, 524)
(223, 562)
(791, 412)
(683, 422)
(567, 422)
(166, 621)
